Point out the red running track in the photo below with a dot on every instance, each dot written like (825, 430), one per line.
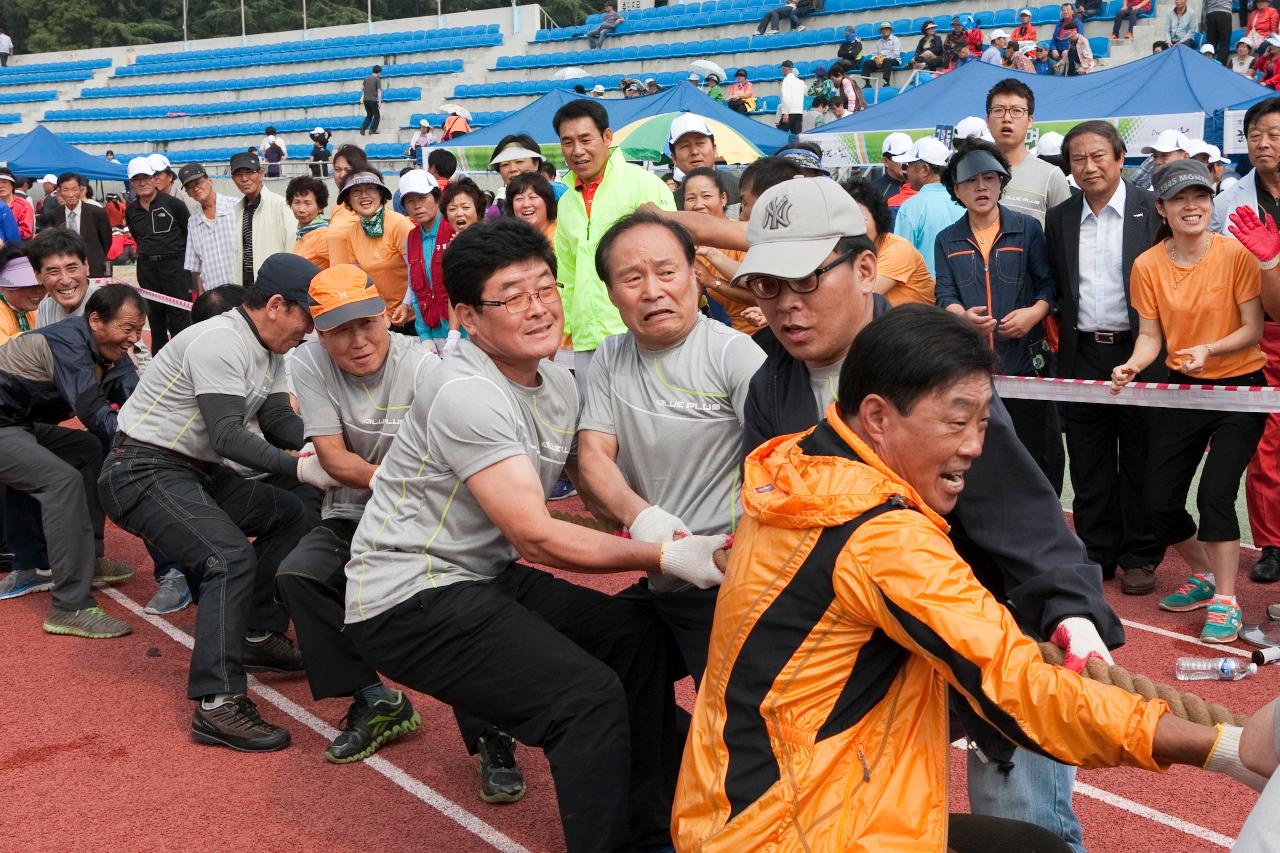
(97, 754)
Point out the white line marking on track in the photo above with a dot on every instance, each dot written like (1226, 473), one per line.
(377, 764)
(1174, 635)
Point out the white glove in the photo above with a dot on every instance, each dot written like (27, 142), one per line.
(655, 524)
(1078, 637)
(451, 343)
(691, 559)
(1225, 758)
(311, 472)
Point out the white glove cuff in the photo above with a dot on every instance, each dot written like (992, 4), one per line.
(1225, 758)
(1271, 264)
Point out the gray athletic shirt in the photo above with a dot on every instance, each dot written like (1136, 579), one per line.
(423, 528)
(222, 355)
(365, 410)
(50, 312)
(824, 381)
(677, 414)
(1034, 187)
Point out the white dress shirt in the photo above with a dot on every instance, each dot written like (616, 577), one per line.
(1103, 307)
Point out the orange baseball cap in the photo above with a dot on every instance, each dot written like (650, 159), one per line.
(341, 294)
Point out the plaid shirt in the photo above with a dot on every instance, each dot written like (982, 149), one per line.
(211, 246)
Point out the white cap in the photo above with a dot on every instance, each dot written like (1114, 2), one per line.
(1029, 47)
(159, 162)
(271, 140)
(317, 129)
(687, 123)
(1167, 142)
(417, 181)
(422, 122)
(1206, 48)
(599, 87)
(998, 34)
(50, 178)
(895, 144)
(973, 126)
(1050, 145)
(140, 166)
(927, 148)
(1196, 147)
(1024, 12)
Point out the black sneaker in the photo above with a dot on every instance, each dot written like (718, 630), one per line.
(500, 778)
(1267, 569)
(236, 724)
(274, 653)
(366, 728)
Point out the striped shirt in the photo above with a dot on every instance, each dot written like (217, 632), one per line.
(211, 246)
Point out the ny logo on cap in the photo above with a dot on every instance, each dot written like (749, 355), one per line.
(777, 214)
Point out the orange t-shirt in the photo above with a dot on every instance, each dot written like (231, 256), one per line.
(1203, 307)
(9, 322)
(314, 246)
(902, 262)
(383, 258)
(731, 306)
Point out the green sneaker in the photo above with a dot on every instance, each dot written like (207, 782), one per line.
(92, 623)
(1221, 623)
(109, 571)
(1192, 595)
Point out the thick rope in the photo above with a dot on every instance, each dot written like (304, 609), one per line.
(1186, 706)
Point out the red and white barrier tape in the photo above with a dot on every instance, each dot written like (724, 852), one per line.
(146, 294)
(1165, 395)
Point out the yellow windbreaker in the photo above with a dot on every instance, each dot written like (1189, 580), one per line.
(845, 613)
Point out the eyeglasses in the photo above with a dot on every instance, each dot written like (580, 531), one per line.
(1011, 112)
(769, 286)
(518, 304)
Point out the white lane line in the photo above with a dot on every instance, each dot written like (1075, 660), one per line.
(1174, 635)
(1128, 805)
(377, 764)
(1155, 815)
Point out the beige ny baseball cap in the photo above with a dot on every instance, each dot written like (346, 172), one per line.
(795, 225)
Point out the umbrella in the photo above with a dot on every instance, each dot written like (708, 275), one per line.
(706, 66)
(571, 73)
(454, 108)
(646, 139)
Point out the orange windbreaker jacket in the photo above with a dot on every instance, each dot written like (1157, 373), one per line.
(845, 613)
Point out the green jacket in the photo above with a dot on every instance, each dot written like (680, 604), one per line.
(589, 316)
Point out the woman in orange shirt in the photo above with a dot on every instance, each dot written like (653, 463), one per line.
(902, 275)
(374, 240)
(20, 293)
(1198, 293)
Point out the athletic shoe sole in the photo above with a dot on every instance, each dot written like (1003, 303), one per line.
(498, 799)
(27, 590)
(155, 611)
(1183, 608)
(1234, 636)
(65, 631)
(396, 732)
(214, 740)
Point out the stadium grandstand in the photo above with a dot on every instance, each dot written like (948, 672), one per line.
(207, 99)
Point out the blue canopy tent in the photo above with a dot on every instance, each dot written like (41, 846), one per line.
(475, 148)
(1173, 82)
(40, 152)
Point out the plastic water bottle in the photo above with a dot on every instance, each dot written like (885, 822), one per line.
(1214, 669)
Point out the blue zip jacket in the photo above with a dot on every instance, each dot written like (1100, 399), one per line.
(1018, 276)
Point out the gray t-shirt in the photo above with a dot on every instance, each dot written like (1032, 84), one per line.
(222, 355)
(371, 85)
(365, 410)
(50, 312)
(824, 382)
(1034, 187)
(423, 528)
(677, 414)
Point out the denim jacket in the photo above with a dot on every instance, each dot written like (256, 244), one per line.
(1017, 277)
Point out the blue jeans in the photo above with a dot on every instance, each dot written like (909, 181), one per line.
(1037, 790)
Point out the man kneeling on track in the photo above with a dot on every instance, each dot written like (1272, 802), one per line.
(846, 614)
(435, 600)
(354, 387)
(660, 435)
(78, 367)
(164, 482)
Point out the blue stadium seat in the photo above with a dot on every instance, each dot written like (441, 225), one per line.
(1006, 18)
(1101, 46)
(1048, 14)
(902, 27)
(985, 18)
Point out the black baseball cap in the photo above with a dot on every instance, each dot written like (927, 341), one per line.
(288, 275)
(1172, 178)
(191, 172)
(245, 160)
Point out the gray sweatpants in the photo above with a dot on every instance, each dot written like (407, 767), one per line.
(59, 468)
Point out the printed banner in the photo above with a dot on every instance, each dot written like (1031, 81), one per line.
(863, 148)
(1233, 132)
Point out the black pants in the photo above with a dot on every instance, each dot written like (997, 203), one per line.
(1246, 6)
(168, 277)
(4, 60)
(1177, 444)
(1130, 15)
(202, 519)
(1107, 446)
(688, 614)
(967, 833)
(23, 533)
(372, 116)
(1036, 424)
(1217, 32)
(885, 68)
(558, 666)
(791, 122)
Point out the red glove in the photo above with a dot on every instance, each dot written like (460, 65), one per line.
(1079, 640)
(1263, 239)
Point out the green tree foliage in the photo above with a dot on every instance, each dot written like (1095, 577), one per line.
(38, 26)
